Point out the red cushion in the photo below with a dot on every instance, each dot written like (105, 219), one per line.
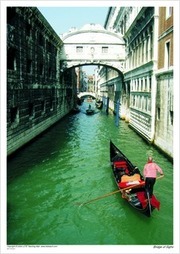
(120, 164)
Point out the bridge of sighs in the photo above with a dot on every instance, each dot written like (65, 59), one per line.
(92, 45)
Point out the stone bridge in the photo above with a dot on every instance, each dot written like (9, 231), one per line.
(86, 94)
(92, 45)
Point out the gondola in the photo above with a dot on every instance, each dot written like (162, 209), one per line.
(131, 182)
(89, 111)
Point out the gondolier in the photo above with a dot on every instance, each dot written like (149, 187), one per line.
(150, 173)
(131, 182)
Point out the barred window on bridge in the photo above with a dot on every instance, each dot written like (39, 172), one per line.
(79, 49)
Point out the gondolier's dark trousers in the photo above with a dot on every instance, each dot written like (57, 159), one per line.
(149, 184)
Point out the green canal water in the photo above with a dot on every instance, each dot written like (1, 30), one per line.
(68, 165)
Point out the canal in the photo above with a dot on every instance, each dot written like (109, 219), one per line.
(69, 164)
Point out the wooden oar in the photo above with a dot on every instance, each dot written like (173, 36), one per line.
(104, 196)
(114, 192)
(161, 176)
(109, 194)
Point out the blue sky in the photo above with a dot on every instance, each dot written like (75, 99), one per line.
(63, 18)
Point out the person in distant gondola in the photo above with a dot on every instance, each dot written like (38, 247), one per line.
(89, 106)
(150, 172)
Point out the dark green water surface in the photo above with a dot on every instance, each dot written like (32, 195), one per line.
(69, 164)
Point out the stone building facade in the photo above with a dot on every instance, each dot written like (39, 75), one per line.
(110, 85)
(38, 92)
(136, 24)
(147, 82)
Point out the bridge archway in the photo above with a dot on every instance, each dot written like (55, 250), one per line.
(92, 44)
(86, 94)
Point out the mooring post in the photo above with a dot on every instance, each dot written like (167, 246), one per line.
(117, 113)
(107, 106)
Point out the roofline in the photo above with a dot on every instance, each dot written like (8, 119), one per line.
(91, 31)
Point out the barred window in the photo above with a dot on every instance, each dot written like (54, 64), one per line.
(41, 69)
(104, 50)
(158, 113)
(171, 114)
(79, 49)
(29, 66)
(11, 59)
(31, 109)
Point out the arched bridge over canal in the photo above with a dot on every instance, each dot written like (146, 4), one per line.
(92, 45)
(86, 94)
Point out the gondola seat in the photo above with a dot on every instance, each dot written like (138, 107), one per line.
(130, 180)
(121, 166)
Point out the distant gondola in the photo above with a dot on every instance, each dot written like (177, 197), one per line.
(89, 111)
(131, 183)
